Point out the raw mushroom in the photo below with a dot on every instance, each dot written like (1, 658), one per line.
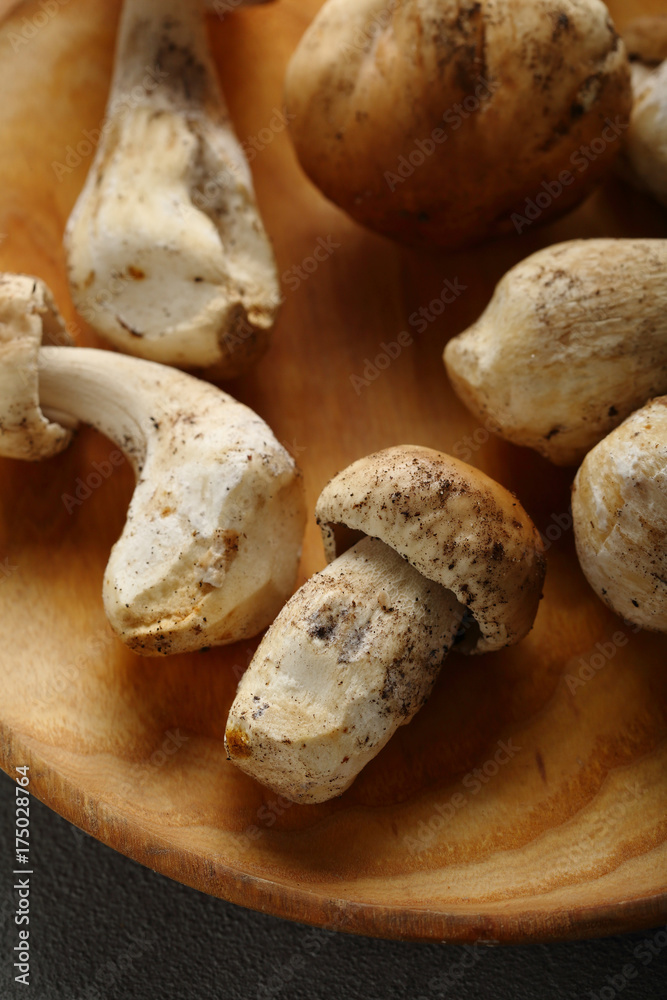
(573, 340)
(644, 159)
(168, 257)
(210, 548)
(437, 122)
(423, 550)
(646, 41)
(619, 510)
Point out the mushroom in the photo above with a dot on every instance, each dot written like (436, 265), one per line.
(435, 122)
(424, 551)
(619, 510)
(573, 340)
(168, 257)
(210, 548)
(646, 41)
(644, 159)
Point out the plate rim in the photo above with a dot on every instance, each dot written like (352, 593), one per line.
(291, 902)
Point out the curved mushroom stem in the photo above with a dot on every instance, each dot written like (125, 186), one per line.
(352, 656)
(210, 547)
(168, 257)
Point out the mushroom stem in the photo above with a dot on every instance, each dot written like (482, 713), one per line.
(352, 656)
(168, 257)
(126, 402)
(202, 559)
(164, 37)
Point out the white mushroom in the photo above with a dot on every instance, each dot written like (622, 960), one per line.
(168, 257)
(573, 340)
(211, 544)
(644, 157)
(619, 510)
(423, 550)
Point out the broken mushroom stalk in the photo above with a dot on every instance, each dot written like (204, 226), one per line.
(167, 254)
(619, 511)
(210, 547)
(423, 551)
(573, 340)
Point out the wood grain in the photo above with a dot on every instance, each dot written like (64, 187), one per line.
(560, 835)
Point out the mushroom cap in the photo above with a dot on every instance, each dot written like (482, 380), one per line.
(619, 510)
(433, 122)
(29, 317)
(573, 340)
(646, 38)
(454, 524)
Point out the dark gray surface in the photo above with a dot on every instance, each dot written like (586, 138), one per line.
(102, 927)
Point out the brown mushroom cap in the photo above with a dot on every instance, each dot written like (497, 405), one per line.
(434, 122)
(29, 317)
(451, 522)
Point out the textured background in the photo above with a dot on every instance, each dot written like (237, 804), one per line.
(103, 928)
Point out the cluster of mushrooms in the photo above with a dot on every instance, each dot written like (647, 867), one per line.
(570, 359)
(169, 261)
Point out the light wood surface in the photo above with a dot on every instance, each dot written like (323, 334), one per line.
(562, 837)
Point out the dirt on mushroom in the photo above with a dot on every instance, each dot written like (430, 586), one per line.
(167, 254)
(433, 122)
(212, 539)
(436, 555)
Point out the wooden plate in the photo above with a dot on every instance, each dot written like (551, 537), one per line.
(527, 800)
